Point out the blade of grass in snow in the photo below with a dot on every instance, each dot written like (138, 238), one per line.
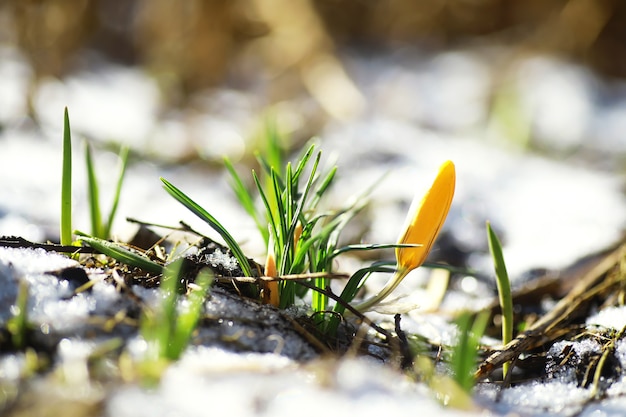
(211, 221)
(120, 254)
(18, 324)
(124, 152)
(168, 328)
(504, 289)
(188, 318)
(66, 184)
(268, 208)
(463, 360)
(98, 228)
(245, 199)
(93, 193)
(351, 289)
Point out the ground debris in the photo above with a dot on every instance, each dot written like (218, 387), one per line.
(599, 284)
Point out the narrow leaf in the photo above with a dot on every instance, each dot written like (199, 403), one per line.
(66, 184)
(211, 221)
(245, 199)
(120, 253)
(504, 288)
(93, 193)
(124, 152)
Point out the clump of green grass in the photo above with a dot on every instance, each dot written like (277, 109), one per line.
(168, 328)
(300, 239)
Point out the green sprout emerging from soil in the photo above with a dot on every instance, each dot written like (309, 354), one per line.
(504, 290)
(167, 328)
(99, 228)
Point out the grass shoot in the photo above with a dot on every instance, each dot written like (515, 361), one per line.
(168, 328)
(120, 253)
(99, 228)
(66, 183)
(18, 324)
(464, 354)
(196, 209)
(504, 289)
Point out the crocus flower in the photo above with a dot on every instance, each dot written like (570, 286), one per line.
(422, 225)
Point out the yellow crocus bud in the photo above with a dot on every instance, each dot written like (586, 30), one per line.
(422, 225)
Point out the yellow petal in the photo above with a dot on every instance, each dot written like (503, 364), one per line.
(425, 219)
(422, 226)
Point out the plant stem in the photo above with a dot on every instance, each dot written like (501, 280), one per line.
(504, 290)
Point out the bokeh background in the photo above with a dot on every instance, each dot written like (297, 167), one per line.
(334, 52)
(528, 97)
(200, 44)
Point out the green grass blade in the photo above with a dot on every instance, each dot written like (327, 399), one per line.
(268, 207)
(124, 152)
(351, 289)
(504, 288)
(18, 324)
(302, 162)
(266, 169)
(94, 200)
(321, 190)
(463, 361)
(169, 291)
(120, 253)
(188, 319)
(373, 246)
(279, 216)
(245, 199)
(66, 184)
(211, 221)
(274, 152)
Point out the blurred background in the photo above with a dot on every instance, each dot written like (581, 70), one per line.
(445, 64)
(528, 97)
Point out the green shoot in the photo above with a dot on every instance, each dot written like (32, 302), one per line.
(245, 199)
(504, 289)
(124, 152)
(66, 184)
(120, 253)
(187, 320)
(98, 228)
(168, 329)
(303, 240)
(232, 244)
(444, 388)
(351, 289)
(463, 359)
(18, 324)
(94, 200)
